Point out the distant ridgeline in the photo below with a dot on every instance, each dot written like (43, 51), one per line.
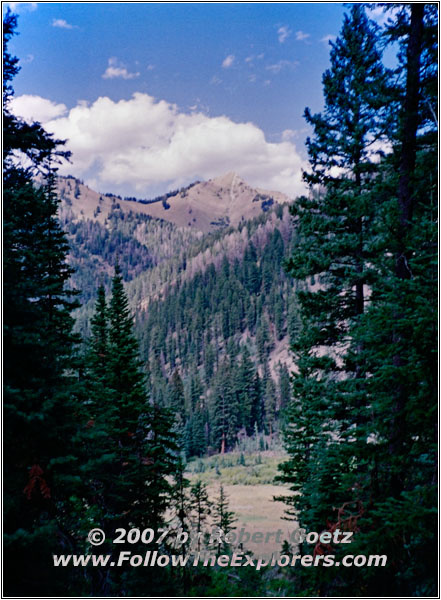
(214, 312)
(162, 198)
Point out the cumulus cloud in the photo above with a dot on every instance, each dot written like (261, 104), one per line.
(228, 61)
(143, 144)
(62, 23)
(283, 33)
(116, 70)
(301, 36)
(328, 38)
(34, 108)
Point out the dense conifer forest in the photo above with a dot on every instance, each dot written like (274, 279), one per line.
(133, 347)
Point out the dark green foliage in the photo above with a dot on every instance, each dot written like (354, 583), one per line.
(284, 386)
(39, 389)
(201, 506)
(176, 398)
(91, 442)
(226, 420)
(199, 324)
(360, 430)
(139, 439)
(94, 249)
(223, 518)
(129, 448)
(246, 392)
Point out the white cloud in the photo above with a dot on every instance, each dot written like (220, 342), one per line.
(116, 70)
(288, 134)
(282, 64)
(301, 36)
(215, 80)
(283, 33)
(62, 23)
(143, 144)
(34, 108)
(328, 38)
(250, 59)
(292, 134)
(21, 7)
(228, 61)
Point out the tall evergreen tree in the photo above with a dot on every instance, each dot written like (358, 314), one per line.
(356, 437)
(201, 508)
(39, 411)
(225, 418)
(176, 401)
(223, 518)
(246, 391)
(130, 447)
(399, 358)
(332, 228)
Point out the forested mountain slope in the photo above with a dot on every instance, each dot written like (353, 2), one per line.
(214, 311)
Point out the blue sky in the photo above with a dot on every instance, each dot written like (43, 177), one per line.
(154, 95)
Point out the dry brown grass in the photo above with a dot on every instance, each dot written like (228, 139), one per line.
(250, 489)
(256, 511)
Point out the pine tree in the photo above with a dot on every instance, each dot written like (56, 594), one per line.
(284, 386)
(399, 330)
(98, 355)
(180, 505)
(225, 418)
(257, 410)
(222, 517)
(201, 508)
(130, 448)
(246, 392)
(39, 388)
(176, 399)
(140, 429)
(198, 422)
(332, 229)
(357, 437)
(270, 400)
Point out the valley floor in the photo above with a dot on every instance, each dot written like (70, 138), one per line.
(248, 481)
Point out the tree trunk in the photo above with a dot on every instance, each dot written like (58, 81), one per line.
(405, 201)
(223, 443)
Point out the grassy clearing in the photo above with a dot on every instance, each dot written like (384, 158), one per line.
(248, 480)
(237, 468)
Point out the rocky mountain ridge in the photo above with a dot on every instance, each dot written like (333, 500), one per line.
(203, 206)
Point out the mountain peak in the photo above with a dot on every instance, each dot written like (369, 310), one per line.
(204, 206)
(227, 180)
